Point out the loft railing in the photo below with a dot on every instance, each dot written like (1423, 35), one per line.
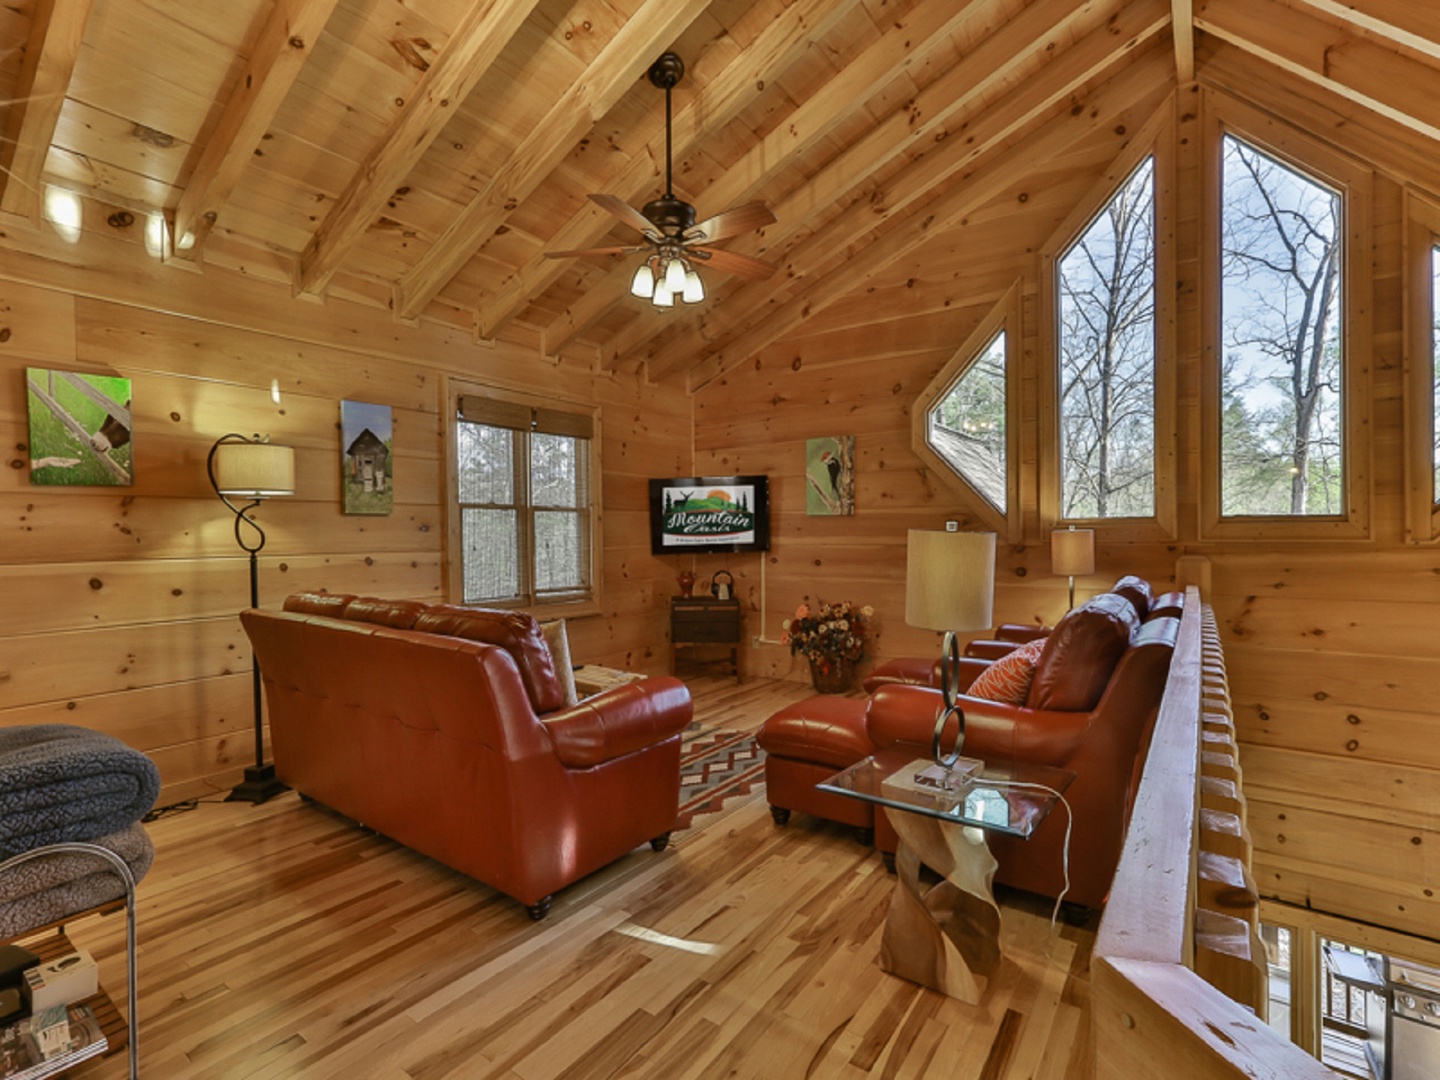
(1179, 974)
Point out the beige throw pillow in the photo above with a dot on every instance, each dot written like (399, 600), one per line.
(559, 643)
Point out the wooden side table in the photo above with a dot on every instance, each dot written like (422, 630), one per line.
(697, 622)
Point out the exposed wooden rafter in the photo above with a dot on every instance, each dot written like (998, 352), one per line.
(706, 113)
(45, 70)
(284, 43)
(1321, 52)
(477, 41)
(1133, 94)
(652, 28)
(988, 127)
(1415, 25)
(1182, 29)
(904, 44)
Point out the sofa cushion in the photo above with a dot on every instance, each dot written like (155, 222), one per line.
(828, 730)
(1137, 591)
(396, 614)
(318, 603)
(559, 642)
(1081, 653)
(1008, 679)
(514, 631)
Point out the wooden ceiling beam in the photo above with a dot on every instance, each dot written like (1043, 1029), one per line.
(1354, 67)
(988, 125)
(1044, 26)
(1124, 109)
(1182, 29)
(468, 54)
(902, 47)
(56, 28)
(284, 43)
(802, 26)
(649, 31)
(1412, 23)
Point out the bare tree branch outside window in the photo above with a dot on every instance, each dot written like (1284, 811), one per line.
(967, 426)
(1281, 265)
(1106, 289)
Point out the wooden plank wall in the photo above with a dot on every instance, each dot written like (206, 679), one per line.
(1334, 659)
(119, 603)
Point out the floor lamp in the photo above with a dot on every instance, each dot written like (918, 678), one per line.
(252, 470)
(1072, 553)
(949, 586)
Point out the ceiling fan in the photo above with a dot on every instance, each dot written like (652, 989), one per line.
(674, 241)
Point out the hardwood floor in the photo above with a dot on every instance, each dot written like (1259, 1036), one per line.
(285, 941)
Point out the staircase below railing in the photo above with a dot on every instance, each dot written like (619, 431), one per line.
(1179, 972)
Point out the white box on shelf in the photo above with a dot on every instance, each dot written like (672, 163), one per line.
(62, 981)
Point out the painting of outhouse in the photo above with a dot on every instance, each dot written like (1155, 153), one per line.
(367, 465)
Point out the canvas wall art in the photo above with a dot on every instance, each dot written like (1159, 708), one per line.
(830, 476)
(80, 428)
(367, 465)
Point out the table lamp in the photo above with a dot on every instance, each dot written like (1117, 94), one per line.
(949, 586)
(252, 470)
(1072, 553)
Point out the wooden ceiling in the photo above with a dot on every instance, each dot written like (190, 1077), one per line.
(424, 154)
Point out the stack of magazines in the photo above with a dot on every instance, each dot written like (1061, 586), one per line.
(49, 1042)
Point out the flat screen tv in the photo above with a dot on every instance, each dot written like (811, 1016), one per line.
(701, 515)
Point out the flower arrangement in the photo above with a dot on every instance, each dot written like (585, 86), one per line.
(831, 633)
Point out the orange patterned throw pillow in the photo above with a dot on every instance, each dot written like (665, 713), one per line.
(1008, 679)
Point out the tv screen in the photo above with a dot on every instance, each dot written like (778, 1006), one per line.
(701, 515)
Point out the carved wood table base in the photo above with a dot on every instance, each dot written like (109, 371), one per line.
(945, 934)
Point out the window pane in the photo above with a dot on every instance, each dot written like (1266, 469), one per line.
(1281, 265)
(1106, 291)
(554, 475)
(967, 425)
(486, 466)
(558, 566)
(1435, 358)
(491, 547)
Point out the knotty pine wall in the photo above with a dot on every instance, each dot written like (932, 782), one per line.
(1333, 648)
(119, 603)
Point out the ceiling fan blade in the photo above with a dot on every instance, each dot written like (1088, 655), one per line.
(732, 222)
(732, 263)
(597, 251)
(626, 213)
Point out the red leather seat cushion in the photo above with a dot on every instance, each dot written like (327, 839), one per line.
(1081, 653)
(828, 730)
(515, 632)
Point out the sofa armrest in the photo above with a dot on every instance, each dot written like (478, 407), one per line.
(994, 731)
(619, 721)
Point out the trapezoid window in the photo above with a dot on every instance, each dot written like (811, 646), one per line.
(966, 426)
(1281, 317)
(1105, 289)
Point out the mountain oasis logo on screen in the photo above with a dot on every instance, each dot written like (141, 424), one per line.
(693, 516)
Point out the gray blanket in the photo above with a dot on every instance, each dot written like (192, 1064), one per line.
(48, 888)
(59, 782)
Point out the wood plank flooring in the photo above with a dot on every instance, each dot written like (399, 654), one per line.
(285, 941)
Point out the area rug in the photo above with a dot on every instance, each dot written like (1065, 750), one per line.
(720, 771)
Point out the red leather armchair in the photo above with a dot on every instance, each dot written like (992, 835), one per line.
(1092, 703)
(444, 729)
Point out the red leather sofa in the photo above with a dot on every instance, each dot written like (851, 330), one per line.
(445, 728)
(1091, 705)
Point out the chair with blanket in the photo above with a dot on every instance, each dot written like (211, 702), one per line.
(71, 840)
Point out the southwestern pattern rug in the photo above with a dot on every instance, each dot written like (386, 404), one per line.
(720, 771)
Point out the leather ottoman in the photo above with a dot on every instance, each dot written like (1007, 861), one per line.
(811, 741)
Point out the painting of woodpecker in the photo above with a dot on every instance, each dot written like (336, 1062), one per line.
(830, 476)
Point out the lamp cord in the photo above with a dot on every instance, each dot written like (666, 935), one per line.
(1069, 824)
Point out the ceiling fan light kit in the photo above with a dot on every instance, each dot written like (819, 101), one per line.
(673, 241)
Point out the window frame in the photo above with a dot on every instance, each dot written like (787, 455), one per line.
(1226, 116)
(1422, 236)
(1155, 139)
(1004, 316)
(453, 560)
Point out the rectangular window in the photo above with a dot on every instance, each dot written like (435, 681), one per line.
(1281, 259)
(523, 499)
